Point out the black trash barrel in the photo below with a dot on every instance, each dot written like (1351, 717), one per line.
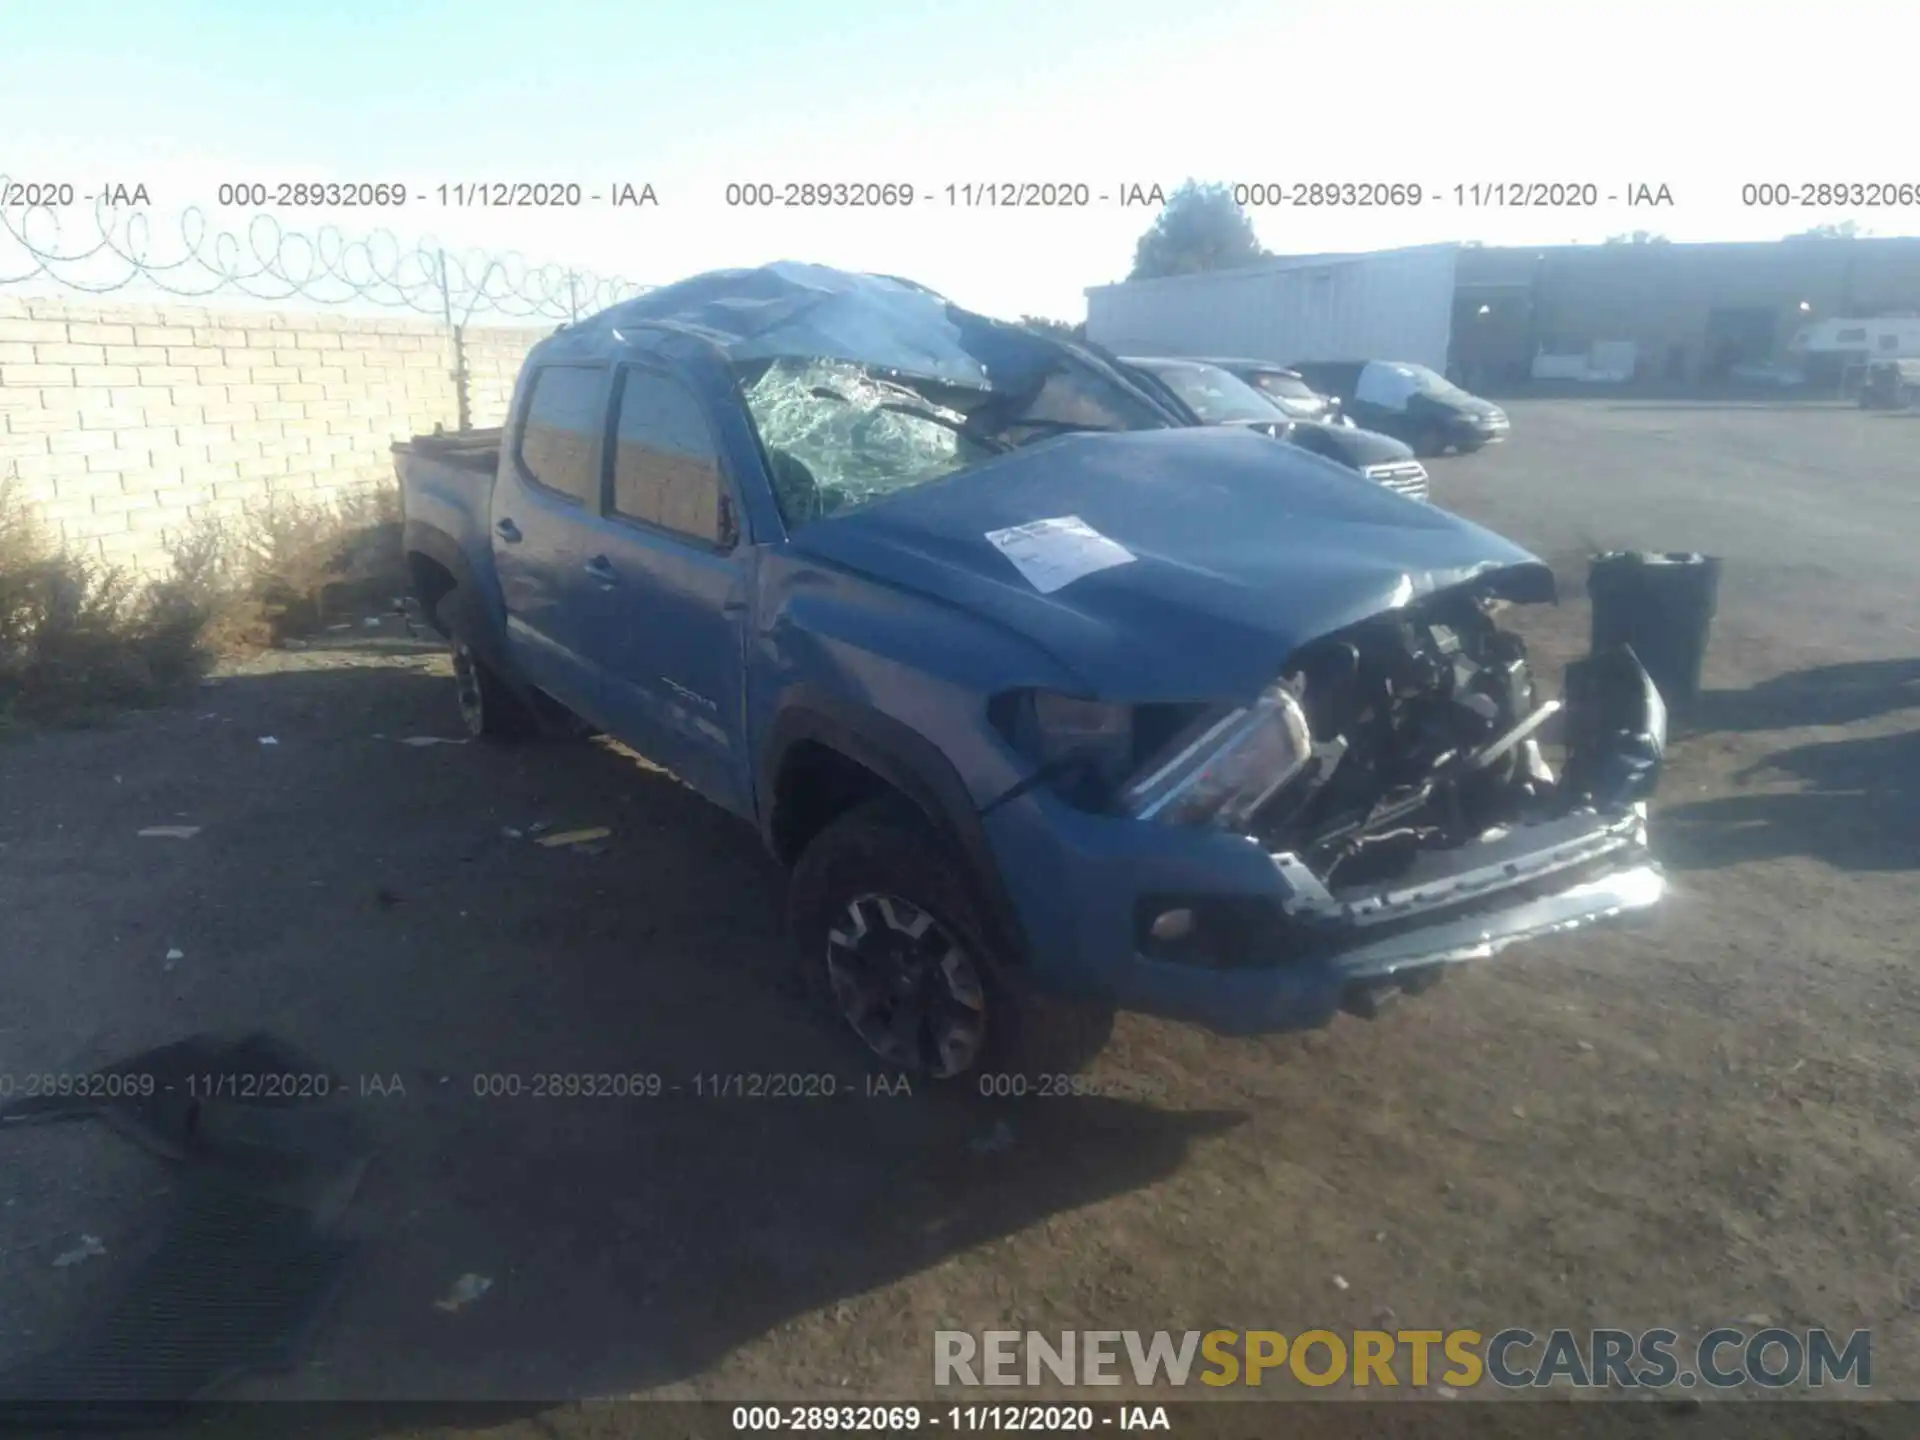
(1662, 604)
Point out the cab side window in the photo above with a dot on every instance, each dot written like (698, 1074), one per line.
(665, 469)
(559, 439)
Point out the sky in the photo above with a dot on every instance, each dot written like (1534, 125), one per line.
(1700, 97)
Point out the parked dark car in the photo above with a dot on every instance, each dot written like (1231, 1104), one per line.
(1891, 385)
(1053, 701)
(1409, 401)
(1286, 388)
(1217, 397)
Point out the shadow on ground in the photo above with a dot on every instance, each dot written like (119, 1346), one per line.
(1856, 810)
(1825, 695)
(364, 900)
(1856, 805)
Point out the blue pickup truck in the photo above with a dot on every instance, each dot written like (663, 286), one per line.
(1054, 702)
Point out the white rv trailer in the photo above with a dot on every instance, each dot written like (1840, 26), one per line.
(1886, 337)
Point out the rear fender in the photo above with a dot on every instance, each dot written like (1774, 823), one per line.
(473, 610)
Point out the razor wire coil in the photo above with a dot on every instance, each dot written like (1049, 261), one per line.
(267, 261)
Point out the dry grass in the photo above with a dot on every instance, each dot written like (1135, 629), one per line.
(78, 637)
(289, 569)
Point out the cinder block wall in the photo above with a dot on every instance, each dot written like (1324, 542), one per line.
(119, 423)
(493, 364)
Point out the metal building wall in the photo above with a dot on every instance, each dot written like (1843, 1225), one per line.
(1390, 305)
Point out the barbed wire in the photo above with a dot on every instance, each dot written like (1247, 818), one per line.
(267, 261)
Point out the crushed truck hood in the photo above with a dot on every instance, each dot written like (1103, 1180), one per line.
(1243, 550)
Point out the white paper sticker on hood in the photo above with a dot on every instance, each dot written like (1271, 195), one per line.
(1053, 553)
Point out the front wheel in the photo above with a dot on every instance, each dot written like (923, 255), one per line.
(893, 945)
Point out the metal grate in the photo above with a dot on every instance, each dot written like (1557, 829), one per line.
(1403, 477)
(249, 1259)
(234, 1287)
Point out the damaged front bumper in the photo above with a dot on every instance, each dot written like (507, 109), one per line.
(1471, 903)
(1218, 929)
(1287, 953)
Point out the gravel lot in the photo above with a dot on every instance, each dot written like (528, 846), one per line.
(1697, 1120)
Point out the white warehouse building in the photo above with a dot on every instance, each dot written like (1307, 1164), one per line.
(1391, 304)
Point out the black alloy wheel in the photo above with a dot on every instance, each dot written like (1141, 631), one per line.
(907, 986)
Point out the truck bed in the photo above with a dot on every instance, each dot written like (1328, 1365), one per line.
(463, 449)
(446, 495)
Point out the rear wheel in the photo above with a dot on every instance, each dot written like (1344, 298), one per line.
(488, 707)
(893, 945)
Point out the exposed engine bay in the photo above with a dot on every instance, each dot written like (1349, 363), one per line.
(1426, 731)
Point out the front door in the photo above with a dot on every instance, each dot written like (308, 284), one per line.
(671, 566)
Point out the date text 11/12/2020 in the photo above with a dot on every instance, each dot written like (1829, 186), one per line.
(552, 1085)
(1253, 195)
(796, 1085)
(56, 194)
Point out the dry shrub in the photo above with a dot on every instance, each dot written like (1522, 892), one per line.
(290, 568)
(78, 636)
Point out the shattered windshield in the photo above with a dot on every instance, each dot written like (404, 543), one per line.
(839, 434)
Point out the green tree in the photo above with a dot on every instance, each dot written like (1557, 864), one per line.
(1059, 329)
(1845, 230)
(1638, 237)
(1199, 228)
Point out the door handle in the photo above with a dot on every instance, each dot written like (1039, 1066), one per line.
(508, 531)
(602, 570)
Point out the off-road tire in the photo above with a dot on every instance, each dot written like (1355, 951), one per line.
(886, 848)
(489, 709)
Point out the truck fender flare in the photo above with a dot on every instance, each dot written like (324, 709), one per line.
(417, 538)
(481, 630)
(912, 765)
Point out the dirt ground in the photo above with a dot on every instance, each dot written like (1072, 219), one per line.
(1697, 1119)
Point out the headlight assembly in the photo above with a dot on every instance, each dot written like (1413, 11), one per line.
(1172, 763)
(1222, 773)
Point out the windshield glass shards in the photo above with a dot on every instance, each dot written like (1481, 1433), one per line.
(840, 435)
(862, 385)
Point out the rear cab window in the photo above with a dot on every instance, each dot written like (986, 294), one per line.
(559, 443)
